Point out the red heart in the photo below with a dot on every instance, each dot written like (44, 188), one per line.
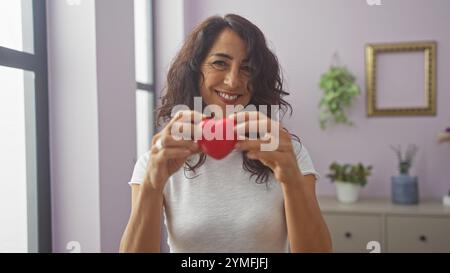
(215, 143)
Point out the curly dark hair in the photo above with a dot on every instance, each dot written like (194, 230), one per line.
(184, 76)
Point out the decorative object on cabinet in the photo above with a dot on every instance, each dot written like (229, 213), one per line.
(446, 200)
(349, 179)
(397, 107)
(404, 188)
(444, 136)
(340, 90)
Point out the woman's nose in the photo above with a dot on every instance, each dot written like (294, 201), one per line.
(232, 78)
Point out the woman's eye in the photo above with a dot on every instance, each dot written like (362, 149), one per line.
(219, 64)
(246, 69)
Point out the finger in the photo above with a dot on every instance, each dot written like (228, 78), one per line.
(167, 141)
(173, 153)
(248, 116)
(174, 119)
(255, 144)
(191, 116)
(185, 130)
(268, 159)
(186, 116)
(249, 145)
(254, 126)
(257, 130)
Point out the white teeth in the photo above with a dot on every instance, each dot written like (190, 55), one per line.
(226, 96)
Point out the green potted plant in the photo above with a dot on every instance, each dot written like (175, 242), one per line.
(404, 188)
(340, 90)
(349, 179)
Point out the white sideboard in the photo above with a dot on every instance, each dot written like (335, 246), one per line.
(398, 228)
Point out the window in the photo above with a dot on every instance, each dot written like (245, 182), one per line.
(25, 223)
(16, 26)
(145, 88)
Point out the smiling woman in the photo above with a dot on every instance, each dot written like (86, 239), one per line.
(226, 72)
(253, 200)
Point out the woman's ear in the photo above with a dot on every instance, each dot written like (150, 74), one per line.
(250, 89)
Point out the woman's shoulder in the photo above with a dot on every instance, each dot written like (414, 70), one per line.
(140, 168)
(304, 159)
(144, 158)
(299, 147)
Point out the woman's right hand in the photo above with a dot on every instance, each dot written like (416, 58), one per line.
(177, 146)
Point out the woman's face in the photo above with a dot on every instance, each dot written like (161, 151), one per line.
(226, 73)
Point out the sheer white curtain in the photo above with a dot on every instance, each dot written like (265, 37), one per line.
(16, 125)
(144, 73)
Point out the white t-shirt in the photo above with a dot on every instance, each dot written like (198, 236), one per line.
(222, 209)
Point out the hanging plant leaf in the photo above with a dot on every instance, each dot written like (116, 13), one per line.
(340, 90)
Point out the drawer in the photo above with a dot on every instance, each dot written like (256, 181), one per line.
(418, 234)
(351, 233)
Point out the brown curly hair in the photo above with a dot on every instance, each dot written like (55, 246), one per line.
(184, 76)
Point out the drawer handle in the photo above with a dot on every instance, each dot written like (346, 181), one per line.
(348, 235)
(423, 238)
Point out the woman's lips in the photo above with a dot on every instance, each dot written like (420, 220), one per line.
(227, 100)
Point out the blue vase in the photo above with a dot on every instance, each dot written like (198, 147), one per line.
(405, 189)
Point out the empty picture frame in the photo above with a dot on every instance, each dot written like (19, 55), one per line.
(401, 79)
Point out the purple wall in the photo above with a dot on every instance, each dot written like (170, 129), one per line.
(92, 122)
(305, 34)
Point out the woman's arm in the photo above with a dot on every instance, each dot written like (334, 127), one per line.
(306, 227)
(307, 230)
(143, 231)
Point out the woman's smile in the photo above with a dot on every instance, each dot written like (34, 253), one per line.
(227, 97)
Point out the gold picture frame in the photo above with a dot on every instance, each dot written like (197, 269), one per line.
(429, 50)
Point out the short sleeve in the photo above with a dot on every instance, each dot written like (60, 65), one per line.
(304, 161)
(140, 169)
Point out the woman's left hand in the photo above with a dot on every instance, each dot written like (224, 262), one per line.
(274, 149)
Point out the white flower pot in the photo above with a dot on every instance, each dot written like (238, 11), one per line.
(347, 192)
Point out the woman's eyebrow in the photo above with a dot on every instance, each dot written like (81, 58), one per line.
(223, 55)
